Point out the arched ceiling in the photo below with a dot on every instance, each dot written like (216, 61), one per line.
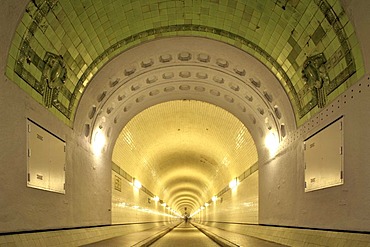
(179, 68)
(185, 151)
(260, 66)
(83, 36)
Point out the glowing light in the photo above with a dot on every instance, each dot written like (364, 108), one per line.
(195, 213)
(206, 204)
(272, 143)
(233, 183)
(214, 198)
(137, 184)
(156, 198)
(164, 204)
(147, 210)
(98, 142)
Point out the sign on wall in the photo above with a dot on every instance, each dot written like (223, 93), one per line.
(323, 157)
(45, 159)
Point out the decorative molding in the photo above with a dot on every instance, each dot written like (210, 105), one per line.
(54, 76)
(315, 75)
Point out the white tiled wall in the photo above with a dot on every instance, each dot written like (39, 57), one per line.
(133, 205)
(237, 205)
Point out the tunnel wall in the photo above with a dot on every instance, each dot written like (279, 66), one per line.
(86, 201)
(237, 205)
(282, 198)
(131, 205)
(345, 207)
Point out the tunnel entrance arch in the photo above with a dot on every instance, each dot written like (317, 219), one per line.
(190, 68)
(184, 69)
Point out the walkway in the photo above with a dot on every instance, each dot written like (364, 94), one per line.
(184, 235)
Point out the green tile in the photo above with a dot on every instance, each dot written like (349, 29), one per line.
(91, 27)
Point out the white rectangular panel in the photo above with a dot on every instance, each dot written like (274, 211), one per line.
(323, 157)
(57, 165)
(38, 163)
(46, 159)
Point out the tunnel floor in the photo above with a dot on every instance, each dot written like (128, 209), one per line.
(183, 236)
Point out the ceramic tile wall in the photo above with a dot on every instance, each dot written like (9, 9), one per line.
(237, 205)
(131, 205)
(88, 34)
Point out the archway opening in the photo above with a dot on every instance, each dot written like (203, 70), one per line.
(184, 153)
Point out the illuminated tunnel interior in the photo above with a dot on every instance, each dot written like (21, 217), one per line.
(128, 117)
(186, 127)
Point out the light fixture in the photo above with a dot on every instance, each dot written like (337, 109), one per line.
(214, 198)
(156, 198)
(233, 183)
(206, 204)
(164, 204)
(201, 208)
(137, 183)
(272, 143)
(98, 142)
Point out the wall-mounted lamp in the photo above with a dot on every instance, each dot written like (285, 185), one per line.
(98, 142)
(272, 142)
(137, 184)
(206, 204)
(156, 198)
(233, 183)
(214, 198)
(164, 204)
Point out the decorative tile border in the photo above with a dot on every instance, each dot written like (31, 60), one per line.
(66, 99)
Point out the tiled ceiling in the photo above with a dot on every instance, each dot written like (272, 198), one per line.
(88, 34)
(190, 149)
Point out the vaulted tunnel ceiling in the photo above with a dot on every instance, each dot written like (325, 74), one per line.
(185, 151)
(88, 34)
(98, 64)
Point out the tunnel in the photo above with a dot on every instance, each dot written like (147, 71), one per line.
(184, 123)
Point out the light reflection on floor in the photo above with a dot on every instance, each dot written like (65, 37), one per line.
(185, 235)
